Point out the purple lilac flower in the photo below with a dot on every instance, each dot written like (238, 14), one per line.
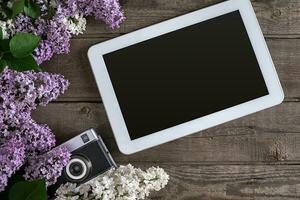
(48, 86)
(16, 91)
(10, 125)
(38, 138)
(35, 137)
(44, 51)
(54, 32)
(12, 155)
(22, 92)
(48, 166)
(23, 23)
(21, 136)
(40, 27)
(108, 11)
(59, 37)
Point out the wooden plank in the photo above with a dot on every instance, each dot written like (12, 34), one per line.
(76, 68)
(277, 17)
(234, 182)
(270, 135)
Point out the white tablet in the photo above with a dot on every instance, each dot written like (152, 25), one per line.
(185, 75)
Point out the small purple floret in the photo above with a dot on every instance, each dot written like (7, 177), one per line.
(48, 166)
(12, 156)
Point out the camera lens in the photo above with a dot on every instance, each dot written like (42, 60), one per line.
(78, 168)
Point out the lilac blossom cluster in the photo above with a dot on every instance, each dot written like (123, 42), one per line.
(12, 157)
(108, 11)
(48, 165)
(69, 19)
(21, 138)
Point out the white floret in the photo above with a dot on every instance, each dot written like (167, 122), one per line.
(8, 28)
(76, 24)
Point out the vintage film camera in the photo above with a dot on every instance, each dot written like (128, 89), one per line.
(89, 159)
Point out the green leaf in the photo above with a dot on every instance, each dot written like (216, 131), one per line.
(1, 33)
(17, 7)
(23, 44)
(4, 46)
(17, 177)
(6, 12)
(21, 64)
(2, 65)
(32, 9)
(28, 190)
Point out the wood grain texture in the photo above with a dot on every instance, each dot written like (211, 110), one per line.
(76, 68)
(255, 157)
(270, 135)
(231, 182)
(277, 17)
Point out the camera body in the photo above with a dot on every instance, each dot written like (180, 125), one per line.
(89, 158)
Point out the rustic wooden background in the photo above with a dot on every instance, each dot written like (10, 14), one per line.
(256, 157)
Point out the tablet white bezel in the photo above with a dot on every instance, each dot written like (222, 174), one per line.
(128, 146)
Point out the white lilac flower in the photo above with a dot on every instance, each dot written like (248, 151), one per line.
(123, 183)
(3, 29)
(76, 24)
(84, 190)
(65, 192)
(9, 4)
(53, 3)
(8, 28)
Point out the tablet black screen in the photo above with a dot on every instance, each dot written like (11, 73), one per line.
(185, 74)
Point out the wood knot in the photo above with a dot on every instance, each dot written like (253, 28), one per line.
(85, 110)
(276, 13)
(278, 151)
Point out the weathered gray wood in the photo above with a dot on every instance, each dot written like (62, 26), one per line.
(76, 68)
(269, 135)
(278, 18)
(232, 182)
(255, 157)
